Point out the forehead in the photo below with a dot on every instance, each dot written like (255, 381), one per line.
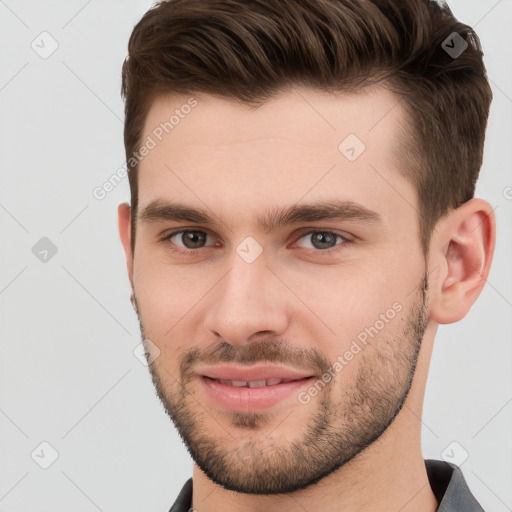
(302, 115)
(300, 144)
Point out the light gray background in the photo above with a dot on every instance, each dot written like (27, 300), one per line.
(68, 373)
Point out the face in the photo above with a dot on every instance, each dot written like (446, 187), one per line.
(267, 238)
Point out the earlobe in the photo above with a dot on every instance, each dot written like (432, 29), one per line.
(124, 225)
(463, 251)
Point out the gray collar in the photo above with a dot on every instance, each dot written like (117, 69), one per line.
(450, 487)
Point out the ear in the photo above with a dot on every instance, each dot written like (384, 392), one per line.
(461, 249)
(125, 233)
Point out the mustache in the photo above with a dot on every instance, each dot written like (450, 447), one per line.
(272, 351)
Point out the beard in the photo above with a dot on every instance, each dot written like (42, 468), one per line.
(243, 457)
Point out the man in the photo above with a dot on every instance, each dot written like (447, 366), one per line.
(302, 219)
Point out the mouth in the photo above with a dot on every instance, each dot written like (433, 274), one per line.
(254, 383)
(254, 395)
(254, 376)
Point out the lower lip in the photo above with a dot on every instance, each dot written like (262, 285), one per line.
(244, 398)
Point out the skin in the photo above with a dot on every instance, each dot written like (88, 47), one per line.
(356, 445)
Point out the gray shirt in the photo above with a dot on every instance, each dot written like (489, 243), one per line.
(446, 480)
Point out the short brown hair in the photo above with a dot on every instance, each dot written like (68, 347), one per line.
(249, 50)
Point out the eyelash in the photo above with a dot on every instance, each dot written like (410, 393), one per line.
(316, 252)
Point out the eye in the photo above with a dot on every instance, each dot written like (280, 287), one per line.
(323, 240)
(190, 239)
(187, 241)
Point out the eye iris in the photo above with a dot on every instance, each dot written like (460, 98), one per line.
(323, 238)
(195, 238)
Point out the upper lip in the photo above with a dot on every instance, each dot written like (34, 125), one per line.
(247, 373)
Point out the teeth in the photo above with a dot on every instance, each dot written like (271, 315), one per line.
(252, 384)
(237, 383)
(257, 384)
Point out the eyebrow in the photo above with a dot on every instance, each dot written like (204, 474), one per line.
(337, 210)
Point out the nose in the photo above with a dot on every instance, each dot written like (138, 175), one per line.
(248, 303)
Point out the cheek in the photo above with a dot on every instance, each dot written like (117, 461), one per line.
(346, 296)
(357, 301)
(167, 297)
